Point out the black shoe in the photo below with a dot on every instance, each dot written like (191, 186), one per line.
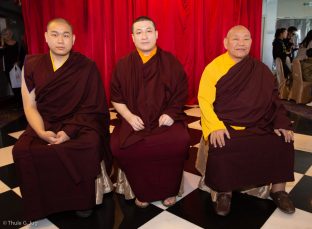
(84, 214)
(283, 202)
(223, 204)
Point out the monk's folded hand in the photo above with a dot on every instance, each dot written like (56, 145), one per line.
(288, 134)
(165, 120)
(61, 137)
(217, 137)
(48, 136)
(136, 122)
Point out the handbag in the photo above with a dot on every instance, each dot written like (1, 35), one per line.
(15, 76)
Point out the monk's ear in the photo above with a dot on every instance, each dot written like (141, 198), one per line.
(225, 43)
(156, 33)
(132, 37)
(46, 36)
(74, 38)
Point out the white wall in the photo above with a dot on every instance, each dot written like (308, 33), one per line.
(269, 14)
(294, 9)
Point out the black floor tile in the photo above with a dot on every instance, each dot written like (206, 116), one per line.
(11, 211)
(114, 212)
(190, 119)
(303, 161)
(133, 216)
(301, 194)
(101, 218)
(6, 140)
(16, 125)
(195, 136)
(8, 176)
(189, 165)
(246, 211)
(302, 125)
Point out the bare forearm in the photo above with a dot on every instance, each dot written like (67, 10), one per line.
(123, 110)
(34, 119)
(134, 120)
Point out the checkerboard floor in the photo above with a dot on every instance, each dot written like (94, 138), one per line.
(193, 210)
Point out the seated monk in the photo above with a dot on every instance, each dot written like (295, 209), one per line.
(62, 156)
(249, 134)
(151, 142)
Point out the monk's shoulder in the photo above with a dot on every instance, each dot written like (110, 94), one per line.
(262, 66)
(34, 59)
(168, 56)
(31, 62)
(82, 60)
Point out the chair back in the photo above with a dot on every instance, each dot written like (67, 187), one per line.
(282, 87)
(279, 70)
(296, 72)
(300, 90)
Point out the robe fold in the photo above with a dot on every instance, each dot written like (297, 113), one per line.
(247, 96)
(152, 158)
(61, 177)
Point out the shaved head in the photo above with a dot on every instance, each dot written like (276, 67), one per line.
(236, 29)
(238, 42)
(59, 20)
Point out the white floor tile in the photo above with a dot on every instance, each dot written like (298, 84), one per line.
(17, 191)
(3, 187)
(40, 224)
(303, 142)
(291, 185)
(309, 172)
(195, 125)
(193, 112)
(6, 156)
(111, 128)
(299, 220)
(166, 220)
(113, 115)
(16, 134)
(190, 184)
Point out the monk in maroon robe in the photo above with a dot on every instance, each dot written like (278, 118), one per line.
(250, 137)
(149, 89)
(58, 157)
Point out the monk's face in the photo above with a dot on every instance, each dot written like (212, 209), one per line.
(144, 36)
(238, 43)
(60, 38)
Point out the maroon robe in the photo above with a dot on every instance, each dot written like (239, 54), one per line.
(247, 96)
(62, 177)
(153, 158)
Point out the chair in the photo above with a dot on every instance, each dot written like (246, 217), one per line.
(300, 90)
(283, 89)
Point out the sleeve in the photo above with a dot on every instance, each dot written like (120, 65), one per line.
(206, 97)
(179, 94)
(281, 121)
(28, 73)
(115, 85)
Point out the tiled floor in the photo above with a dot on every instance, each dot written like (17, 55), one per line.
(193, 210)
